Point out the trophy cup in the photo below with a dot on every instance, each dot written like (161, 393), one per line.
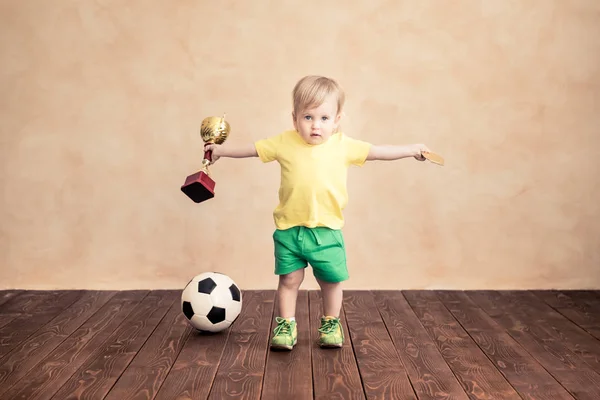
(200, 186)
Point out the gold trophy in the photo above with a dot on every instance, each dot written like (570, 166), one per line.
(200, 186)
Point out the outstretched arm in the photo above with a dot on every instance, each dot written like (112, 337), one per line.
(396, 152)
(231, 151)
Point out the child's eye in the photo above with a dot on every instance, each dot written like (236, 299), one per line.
(325, 118)
(307, 117)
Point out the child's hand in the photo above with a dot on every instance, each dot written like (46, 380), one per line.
(214, 149)
(419, 149)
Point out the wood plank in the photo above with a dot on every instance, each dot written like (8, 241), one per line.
(525, 303)
(25, 356)
(591, 297)
(27, 301)
(148, 370)
(429, 373)
(572, 372)
(55, 369)
(25, 325)
(382, 371)
(99, 373)
(335, 372)
(194, 370)
(242, 367)
(5, 319)
(575, 309)
(581, 300)
(23, 304)
(6, 295)
(478, 376)
(523, 372)
(287, 375)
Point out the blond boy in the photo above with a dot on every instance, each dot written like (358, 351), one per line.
(314, 159)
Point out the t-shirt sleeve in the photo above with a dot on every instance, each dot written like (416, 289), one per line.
(267, 148)
(356, 150)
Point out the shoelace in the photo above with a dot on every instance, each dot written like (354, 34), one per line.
(329, 325)
(284, 327)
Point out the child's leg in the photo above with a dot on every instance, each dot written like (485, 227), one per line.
(285, 335)
(332, 294)
(289, 265)
(328, 259)
(331, 332)
(287, 292)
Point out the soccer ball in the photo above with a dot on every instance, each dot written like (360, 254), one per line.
(211, 301)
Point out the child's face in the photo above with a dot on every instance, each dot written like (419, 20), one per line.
(316, 125)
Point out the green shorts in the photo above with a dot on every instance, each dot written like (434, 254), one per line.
(323, 248)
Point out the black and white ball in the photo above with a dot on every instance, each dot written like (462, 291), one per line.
(211, 301)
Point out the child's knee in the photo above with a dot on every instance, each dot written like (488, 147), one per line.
(293, 280)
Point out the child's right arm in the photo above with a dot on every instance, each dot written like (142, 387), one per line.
(231, 151)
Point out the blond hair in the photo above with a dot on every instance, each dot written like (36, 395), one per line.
(312, 90)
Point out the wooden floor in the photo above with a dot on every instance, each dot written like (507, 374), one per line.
(400, 345)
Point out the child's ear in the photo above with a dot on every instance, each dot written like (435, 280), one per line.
(337, 122)
(294, 120)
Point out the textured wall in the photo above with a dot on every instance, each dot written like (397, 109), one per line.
(102, 101)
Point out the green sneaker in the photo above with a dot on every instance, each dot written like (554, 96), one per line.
(332, 334)
(285, 334)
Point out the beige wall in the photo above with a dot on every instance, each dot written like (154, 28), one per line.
(102, 101)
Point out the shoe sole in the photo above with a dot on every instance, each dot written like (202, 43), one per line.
(283, 346)
(331, 346)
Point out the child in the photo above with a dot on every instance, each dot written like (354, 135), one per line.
(314, 159)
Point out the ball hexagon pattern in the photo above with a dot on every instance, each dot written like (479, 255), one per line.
(211, 301)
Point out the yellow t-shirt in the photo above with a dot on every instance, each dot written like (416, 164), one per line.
(313, 177)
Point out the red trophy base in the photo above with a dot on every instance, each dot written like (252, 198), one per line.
(199, 186)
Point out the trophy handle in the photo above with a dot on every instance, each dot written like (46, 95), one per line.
(208, 155)
(206, 161)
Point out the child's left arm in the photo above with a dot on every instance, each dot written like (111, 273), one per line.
(396, 152)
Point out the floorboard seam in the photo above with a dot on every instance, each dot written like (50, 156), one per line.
(525, 349)
(362, 382)
(141, 347)
(268, 351)
(458, 380)
(565, 316)
(5, 389)
(385, 325)
(479, 347)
